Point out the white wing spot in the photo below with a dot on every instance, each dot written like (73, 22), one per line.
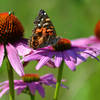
(45, 13)
(42, 19)
(39, 24)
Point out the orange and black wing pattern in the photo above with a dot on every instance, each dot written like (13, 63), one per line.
(43, 33)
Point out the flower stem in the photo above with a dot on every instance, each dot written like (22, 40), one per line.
(59, 77)
(10, 77)
(11, 80)
(32, 97)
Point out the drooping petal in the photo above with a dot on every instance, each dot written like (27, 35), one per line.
(97, 46)
(58, 59)
(19, 85)
(71, 54)
(14, 59)
(5, 82)
(85, 54)
(1, 54)
(37, 57)
(20, 89)
(3, 86)
(69, 62)
(79, 61)
(81, 57)
(4, 91)
(40, 90)
(43, 61)
(32, 87)
(93, 56)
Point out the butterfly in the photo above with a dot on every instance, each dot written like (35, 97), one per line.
(44, 33)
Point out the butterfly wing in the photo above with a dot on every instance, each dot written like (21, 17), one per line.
(44, 33)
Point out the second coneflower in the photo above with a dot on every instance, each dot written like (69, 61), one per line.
(30, 83)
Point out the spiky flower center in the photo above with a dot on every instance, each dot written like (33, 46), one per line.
(11, 28)
(62, 44)
(97, 30)
(31, 78)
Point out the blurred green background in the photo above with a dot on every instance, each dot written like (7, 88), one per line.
(72, 19)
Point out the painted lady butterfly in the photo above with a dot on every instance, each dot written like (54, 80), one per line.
(44, 33)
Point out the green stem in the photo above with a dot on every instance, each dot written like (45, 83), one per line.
(32, 97)
(59, 77)
(10, 77)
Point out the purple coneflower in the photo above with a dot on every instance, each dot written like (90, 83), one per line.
(29, 84)
(30, 57)
(92, 40)
(12, 43)
(63, 50)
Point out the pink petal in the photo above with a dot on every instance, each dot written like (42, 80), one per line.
(22, 47)
(69, 61)
(31, 57)
(70, 64)
(97, 46)
(22, 50)
(47, 76)
(42, 62)
(1, 54)
(85, 41)
(14, 59)
(58, 59)
(79, 61)
(4, 91)
(81, 41)
(5, 82)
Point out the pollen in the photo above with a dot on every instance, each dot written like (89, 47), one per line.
(97, 30)
(62, 44)
(31, 77)
(11, 28)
